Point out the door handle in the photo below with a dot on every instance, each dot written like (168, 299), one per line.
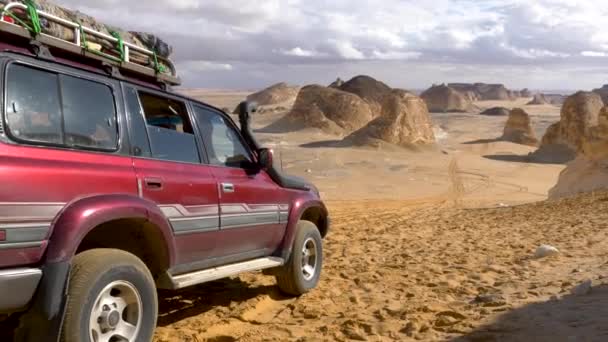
(228, 187)
(153, 183)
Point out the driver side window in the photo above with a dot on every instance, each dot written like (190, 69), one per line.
(222, 142)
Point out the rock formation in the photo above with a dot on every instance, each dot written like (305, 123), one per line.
(496, 111)
(518, 128)
(337, 83)
(589, 171)
(526, 93)
(404, 121)
(443, 99)
(484, 91)
(603, 92)
(471, 96)
(556, 99)
(565, 139)
(514, 94)
(276, 94)
(579, 113)
(369, 89)
(329, 109)
(539, 99)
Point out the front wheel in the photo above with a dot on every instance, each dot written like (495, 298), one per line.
(111, 297)
(302, 271)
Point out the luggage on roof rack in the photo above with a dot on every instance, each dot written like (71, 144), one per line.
(135, 52)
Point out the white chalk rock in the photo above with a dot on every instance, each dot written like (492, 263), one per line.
(545, 251)
(582, 289)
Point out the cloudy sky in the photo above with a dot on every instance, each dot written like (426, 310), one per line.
(244, 44)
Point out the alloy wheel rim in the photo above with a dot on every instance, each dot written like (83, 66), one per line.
(309, 259)
(116, 314)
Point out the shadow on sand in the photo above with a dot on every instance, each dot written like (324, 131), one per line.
(571, 318)
(551, 154)
(174, 306)
(324, 143)
(481, 141)
(528, 158)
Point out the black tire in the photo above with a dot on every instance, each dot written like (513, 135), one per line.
(290, 278)
(92, 271)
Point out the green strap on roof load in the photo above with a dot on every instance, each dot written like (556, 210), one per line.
(157, 66)
(83, 36)
(85, 45)
(32, 13)
(120, 45)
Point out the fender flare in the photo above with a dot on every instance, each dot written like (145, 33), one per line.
(298, 209)
(68, 230)
(81, 216)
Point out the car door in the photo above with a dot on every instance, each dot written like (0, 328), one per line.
(169, 170)
(250, 202)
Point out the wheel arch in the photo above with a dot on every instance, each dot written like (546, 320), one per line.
(317, 215)
(96, 215)
(69, 229)
(313, 210)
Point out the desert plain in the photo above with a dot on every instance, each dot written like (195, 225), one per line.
(430, 245)
(426, 244)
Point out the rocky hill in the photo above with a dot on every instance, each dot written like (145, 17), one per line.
(442, 98)
(404, 121)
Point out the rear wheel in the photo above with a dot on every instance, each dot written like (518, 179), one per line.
(111, 298)
(302, 271)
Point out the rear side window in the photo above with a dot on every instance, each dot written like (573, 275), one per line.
(170, 131)
(33, 105)
(49, 108)
(89, 114)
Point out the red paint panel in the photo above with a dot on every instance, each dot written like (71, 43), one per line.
(189, 185)
(258, 189)
(43, 175)
(48, 175)
(2, 235)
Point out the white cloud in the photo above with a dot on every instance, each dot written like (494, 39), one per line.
(346, 50)
(219, 35)
(200, 65)
(531, 53)
(395, 55)
(594, 54)
(299, 52)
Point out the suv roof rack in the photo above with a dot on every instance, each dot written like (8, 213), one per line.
(154, 66)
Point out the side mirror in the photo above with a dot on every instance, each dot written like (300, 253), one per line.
(266, 158)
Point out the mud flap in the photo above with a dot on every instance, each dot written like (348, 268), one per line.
(43, 321)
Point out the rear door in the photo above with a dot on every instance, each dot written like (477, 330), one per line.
(250, 202)
(170, 172)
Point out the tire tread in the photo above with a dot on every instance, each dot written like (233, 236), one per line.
(287, 280)
(86, 269)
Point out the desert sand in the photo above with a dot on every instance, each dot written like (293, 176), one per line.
(429, 245)
(434, 245)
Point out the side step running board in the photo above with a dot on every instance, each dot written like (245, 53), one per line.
(199, 277)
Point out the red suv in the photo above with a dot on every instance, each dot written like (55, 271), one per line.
(114, 187)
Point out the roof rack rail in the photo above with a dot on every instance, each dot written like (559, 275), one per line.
(153, 67)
